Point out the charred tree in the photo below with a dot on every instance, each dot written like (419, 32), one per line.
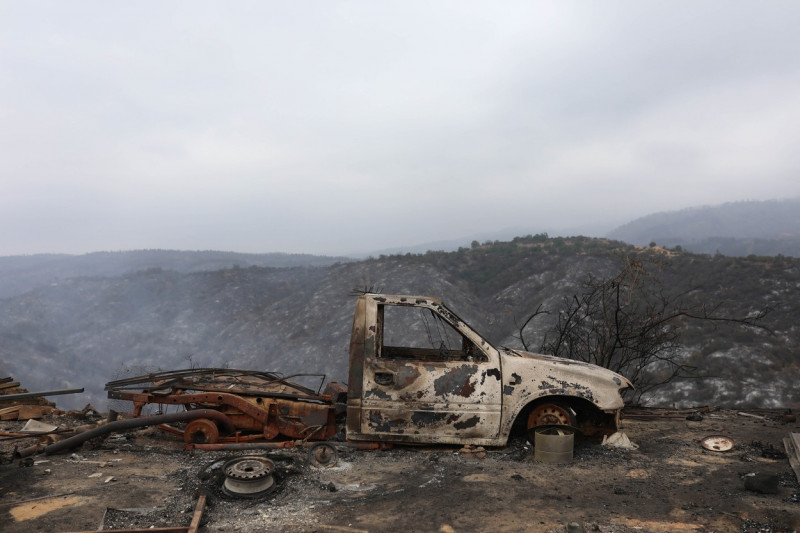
(631, 324)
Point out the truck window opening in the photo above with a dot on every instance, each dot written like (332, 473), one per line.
(420, 333)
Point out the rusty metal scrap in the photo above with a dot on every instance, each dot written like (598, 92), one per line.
(252, 382)
(323, 455)
(241, 446)
(261, 405)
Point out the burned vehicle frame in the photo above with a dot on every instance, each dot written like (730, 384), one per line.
(260, 405)
(417, 374)
(445, 383)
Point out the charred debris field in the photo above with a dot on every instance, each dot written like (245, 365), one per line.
(71, 332)
(144, 478)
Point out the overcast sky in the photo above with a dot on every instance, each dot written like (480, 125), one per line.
(334, 127)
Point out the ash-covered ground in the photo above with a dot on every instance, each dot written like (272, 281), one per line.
(145, 479)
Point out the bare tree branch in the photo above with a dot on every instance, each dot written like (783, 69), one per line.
(630, 324)
(539, 311)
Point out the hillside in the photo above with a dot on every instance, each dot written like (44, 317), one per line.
(737, 229)
(87, 331)
(21, 273)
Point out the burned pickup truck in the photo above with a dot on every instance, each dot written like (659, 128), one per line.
(417, 374)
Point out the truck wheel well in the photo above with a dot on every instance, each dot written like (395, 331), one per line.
(590, 420)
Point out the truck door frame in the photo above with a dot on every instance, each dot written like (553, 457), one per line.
(417, 395)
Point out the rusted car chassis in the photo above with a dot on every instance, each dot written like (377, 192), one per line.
(261, 405)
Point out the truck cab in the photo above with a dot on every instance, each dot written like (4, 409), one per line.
(420, 374)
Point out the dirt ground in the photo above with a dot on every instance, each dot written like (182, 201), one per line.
(145, 479)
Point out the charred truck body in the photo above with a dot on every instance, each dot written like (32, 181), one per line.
(418, 373)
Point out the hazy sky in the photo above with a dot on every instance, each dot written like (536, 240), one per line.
(333, 127)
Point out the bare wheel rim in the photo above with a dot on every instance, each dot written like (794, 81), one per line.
(551, 414)
(248, 477)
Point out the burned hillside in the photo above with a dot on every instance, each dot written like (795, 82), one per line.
(82, 332)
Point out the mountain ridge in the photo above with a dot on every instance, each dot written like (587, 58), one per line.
(769, 227)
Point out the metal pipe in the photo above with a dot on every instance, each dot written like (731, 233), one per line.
(168, 529)
(36, 394)
(27, 452)
(230, 446)
(66, 444)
